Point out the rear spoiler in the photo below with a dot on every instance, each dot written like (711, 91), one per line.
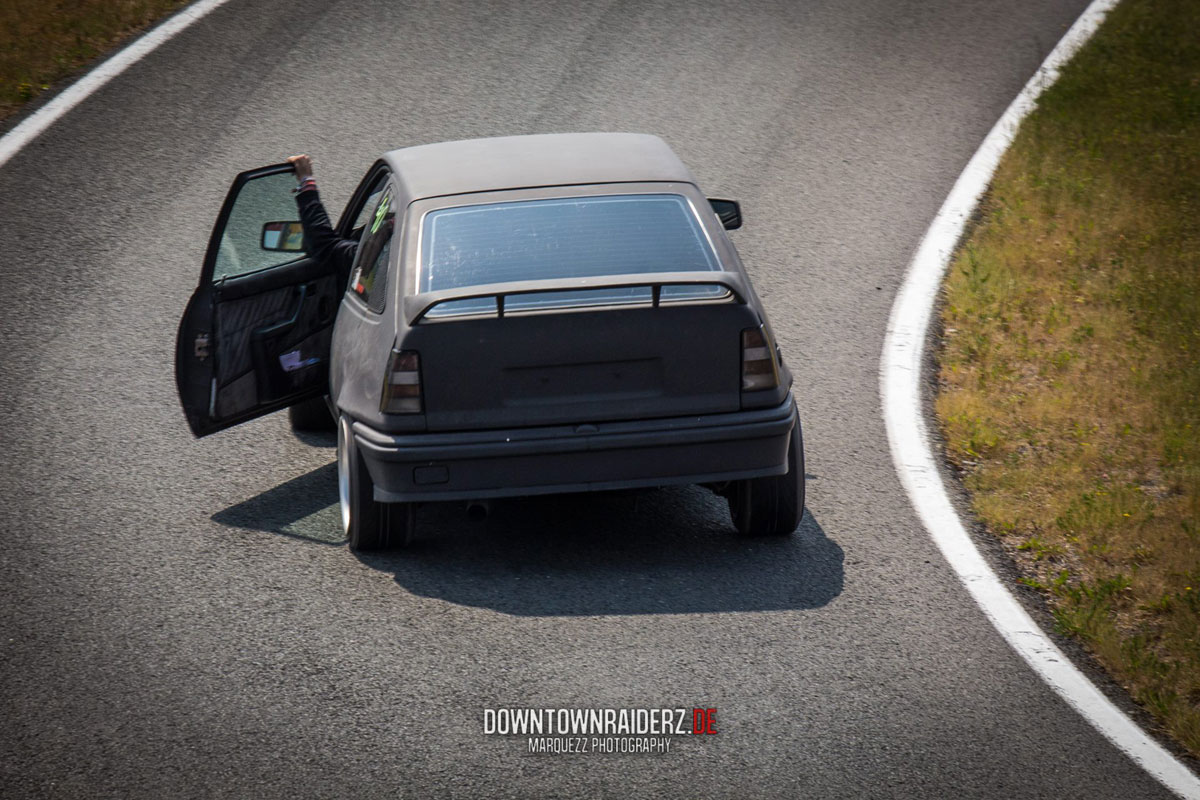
(419, 305)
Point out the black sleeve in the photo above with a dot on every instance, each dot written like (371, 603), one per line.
(319, 237)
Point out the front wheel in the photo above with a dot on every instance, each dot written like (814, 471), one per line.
(369, 525)
(771, 506)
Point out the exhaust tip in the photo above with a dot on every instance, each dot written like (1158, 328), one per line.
(478, 509)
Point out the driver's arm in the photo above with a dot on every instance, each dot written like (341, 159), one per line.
(322, 242)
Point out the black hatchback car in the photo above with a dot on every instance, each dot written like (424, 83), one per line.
(525, 315)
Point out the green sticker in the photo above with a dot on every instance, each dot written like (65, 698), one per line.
(381, 211)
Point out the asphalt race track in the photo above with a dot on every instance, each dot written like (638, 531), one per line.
(181, 618)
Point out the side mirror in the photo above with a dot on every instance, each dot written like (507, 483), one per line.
(729, 212)
(286, 237)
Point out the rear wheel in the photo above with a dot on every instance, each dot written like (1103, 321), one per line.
(311, 415)
(771, 506)
(369, 525)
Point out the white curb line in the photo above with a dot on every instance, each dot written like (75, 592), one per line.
(47, 115)
(900, 385)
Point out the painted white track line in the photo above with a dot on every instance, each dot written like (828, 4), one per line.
(13, 141)
(900, 385)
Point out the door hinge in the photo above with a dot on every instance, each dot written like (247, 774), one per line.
(201, 346)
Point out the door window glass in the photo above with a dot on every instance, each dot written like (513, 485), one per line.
(261, 200)
(368, 279)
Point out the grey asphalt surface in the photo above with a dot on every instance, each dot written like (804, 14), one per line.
(181, 619)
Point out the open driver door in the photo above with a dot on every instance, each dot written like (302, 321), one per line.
(256, 334)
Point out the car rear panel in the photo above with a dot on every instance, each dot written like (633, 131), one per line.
(581, 366)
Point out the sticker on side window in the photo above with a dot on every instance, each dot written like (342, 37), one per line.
(381, 211)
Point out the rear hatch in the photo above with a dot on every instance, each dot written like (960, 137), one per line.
(595, 304)
(581, 366)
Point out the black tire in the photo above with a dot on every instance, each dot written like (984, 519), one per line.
(312, 415)
(369, 525)
(771, 506)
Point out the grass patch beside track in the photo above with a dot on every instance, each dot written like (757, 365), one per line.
(44, 41)
(1069, 383)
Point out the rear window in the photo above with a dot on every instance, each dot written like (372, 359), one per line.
(563, 238)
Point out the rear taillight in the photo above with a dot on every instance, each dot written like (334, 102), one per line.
(760, 370)
(402, 384)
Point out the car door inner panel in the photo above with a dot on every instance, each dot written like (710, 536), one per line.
(272, 345)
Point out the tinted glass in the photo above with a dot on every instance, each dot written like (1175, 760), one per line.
(371, 202)
(563, 238)
(261, 200)
(368, 279)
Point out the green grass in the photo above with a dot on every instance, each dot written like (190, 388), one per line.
(1070, 366)
(44, 41)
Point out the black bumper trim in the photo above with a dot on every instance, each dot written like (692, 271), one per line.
(527, 461)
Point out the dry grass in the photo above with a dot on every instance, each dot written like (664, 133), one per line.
(44, 41)
(1070, 366)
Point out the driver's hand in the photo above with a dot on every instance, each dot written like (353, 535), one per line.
(303, 166)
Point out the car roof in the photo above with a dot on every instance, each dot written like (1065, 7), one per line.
(517, 162)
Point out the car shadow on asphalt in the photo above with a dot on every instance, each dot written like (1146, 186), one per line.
(665, 551)
(659, 551)
(303, 508)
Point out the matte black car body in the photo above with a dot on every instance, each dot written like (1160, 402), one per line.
(518, 398)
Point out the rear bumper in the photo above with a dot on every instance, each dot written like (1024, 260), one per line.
(569, 458)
